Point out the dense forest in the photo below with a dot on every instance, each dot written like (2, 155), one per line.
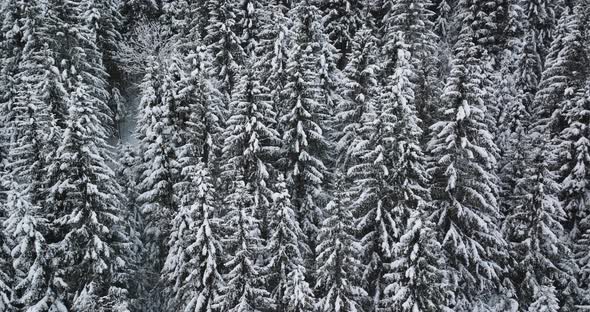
(294, 155)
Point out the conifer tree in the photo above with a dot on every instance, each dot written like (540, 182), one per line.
(445, 28)
(185, 23)
(443, 21)
(558, 100)
(52, 85)
(6, 269)
(12, 25)
(251, 141)
(416, 276)
(34, 288)
(205, 111)
(358, 93)
(337, 286)
(175, 18)
(199, 12)
(390, 170)
(408, 199)
(179, 109)
(575, 186)
(285, 270)
(310, 33)
(302, 298)
(249, 20)
(464, 186)
(544, 266)
(128, 177)
(520, 78)
(304, 143)
(136, 12)
(273, 51)
(410, 20)
(159, 172)
(243, 289)
(30, 132)
(542, 17)
(376, 223)
(105, 18)
(563, 71)
(342, 19)
(63, 42)
(574, 159)
(32, 124)
(487, 19)
(191, 270)
(88, 41)
(85, 202)
(224, 44)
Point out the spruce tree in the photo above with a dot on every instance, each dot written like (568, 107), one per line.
(337, 286)
(34, 288)
(195, 115)
(545, 300)
(377, 224)
(310, 33)
(544, 269)
(575, 185)
(185, 22)
(224, 45)
(408, 198)
(464, 186)
(273, 51)
(342, 20)
(88, 49)
(249, 20)
(85, 203)
(519, 78)
(198, 111)
(243, 289)
(159, 172)
(32, 126)
(487, 19)
(358, 93)
(105, 18)
(136, 12)
(563, 71)
(301, 300)
(13, 24)
(574, 159)
(251, 141)
(285, 270)
(30, 143)
(409, 20)
(443, 20)
(128, 177)
(389, 172)
(416, 277)
(558, 100)
(6, 269)
(191, 269)
(542, 17)
(304, 145)
(52, 86)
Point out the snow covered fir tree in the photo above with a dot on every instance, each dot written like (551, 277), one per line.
(294, 155)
